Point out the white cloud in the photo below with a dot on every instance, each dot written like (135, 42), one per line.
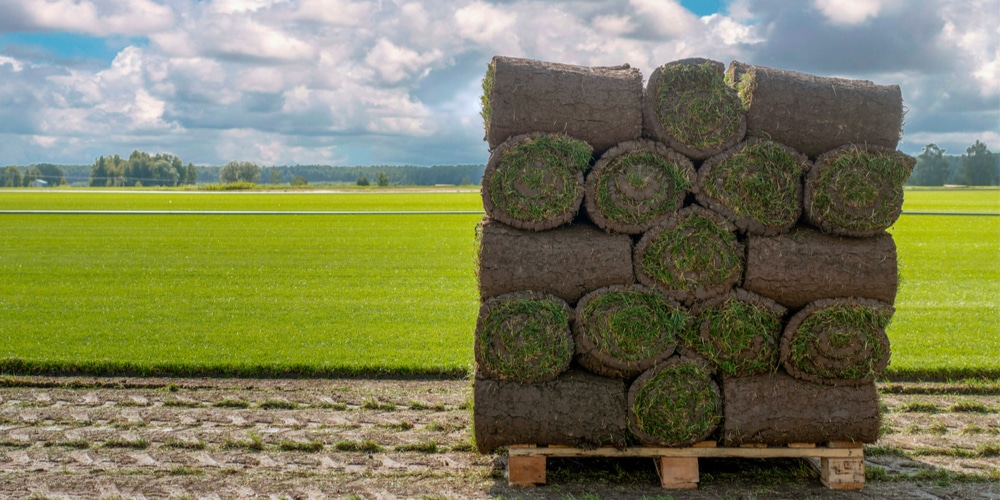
(123, 17)
(668, 17)
(611, 24)
(486, 24)
(394, 63)
(13, 63)
(848, 12)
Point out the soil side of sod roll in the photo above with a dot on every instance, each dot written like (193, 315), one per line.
(567, 262)
(635, 184)
(814, 114)
(599, 105)
(675, 404)
(524, 336)
(837, 341)
(535, 181)
(577, 409)
(777, 409)
(756, 184)
(691, 256)
(738, 333)
(622, 331)
(806, 265)
(689, 107)
(857, 190)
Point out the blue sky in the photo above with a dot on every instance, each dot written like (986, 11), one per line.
(354, 82)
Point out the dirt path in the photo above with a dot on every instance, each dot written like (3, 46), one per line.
(209, 438)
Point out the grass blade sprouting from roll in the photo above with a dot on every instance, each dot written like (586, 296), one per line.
(838, 341)
(857, 190)
(689, 106)
(621, 331)
(636, 184)
(535, 181)
(523, 336)
(693, 255)
(757, 184)
(738, 333)
(676, 403)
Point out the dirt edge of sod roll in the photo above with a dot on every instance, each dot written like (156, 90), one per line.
(814, 114)
(576, 409)
(757, 184)
(693, 255)
(777, 409)
(622, 331)
(857, 190)
(738, 333)
(523, 336)
(688, 106)
(635, 184)
(568, 261)
(535, 181)
(599, 105)
(674, 404)
(840, 341)
(806, 265)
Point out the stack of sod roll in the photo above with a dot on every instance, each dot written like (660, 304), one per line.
(701, 258)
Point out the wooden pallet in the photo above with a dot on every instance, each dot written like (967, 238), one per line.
(840, 463)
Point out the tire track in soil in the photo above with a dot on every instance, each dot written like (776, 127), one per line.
(231, 438)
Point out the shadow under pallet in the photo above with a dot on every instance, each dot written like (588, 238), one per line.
(840, 463)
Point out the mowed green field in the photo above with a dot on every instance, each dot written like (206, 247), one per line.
(367, 294)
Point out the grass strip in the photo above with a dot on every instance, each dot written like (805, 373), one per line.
(738, 333)
(486, 107)
(524, 336)
(696, 107)
(675, 403)
(857, 190)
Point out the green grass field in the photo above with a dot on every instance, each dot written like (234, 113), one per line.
(367, 294)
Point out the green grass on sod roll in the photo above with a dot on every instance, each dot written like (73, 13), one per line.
(638, 169)
(678, 405)
(841, 341)
(705, 114)
(632, 325)
(486, 108)
(525, 338)
(734, 326)
(703, 254)
(761, 182)
(859, 190)
(535, 180)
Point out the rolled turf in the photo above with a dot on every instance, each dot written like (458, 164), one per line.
(636, 184)
(814, 114)
(535, 181)
(622, 331)
(689, 107)
(757, 184)
(857, 190)
(674, 404)
(693, 255)
(837, 341)
(599, 105)
(523, 336)
(738, 333)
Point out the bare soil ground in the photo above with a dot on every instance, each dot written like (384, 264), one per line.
(226, 438)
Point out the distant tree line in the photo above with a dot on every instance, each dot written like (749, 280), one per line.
(53, 175)
(141, 169)
(408, 175)
(977, 167)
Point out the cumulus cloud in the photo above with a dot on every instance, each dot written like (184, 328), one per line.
(366, 81)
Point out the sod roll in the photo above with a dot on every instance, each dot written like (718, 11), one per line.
(806, 265)
(837, 341)
(567, 262)
(675, 404)
(576, 409)
(535, 181)
(738, 333)
(636, 184)
(814, 114)
(601, 105)
(688, 106)
(777, 409)
(622, 331)
(693, 255)
(757, 184)
(524, 336)
(857, 190)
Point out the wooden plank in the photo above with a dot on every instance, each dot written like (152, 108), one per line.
(678, 473)
(707, 452)
(842, 473)
(753, 445)
(525, 471)
(844, 444)
(801, 445)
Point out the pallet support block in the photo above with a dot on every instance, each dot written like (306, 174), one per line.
(525, 470)
(842, 473)
(678, 473)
